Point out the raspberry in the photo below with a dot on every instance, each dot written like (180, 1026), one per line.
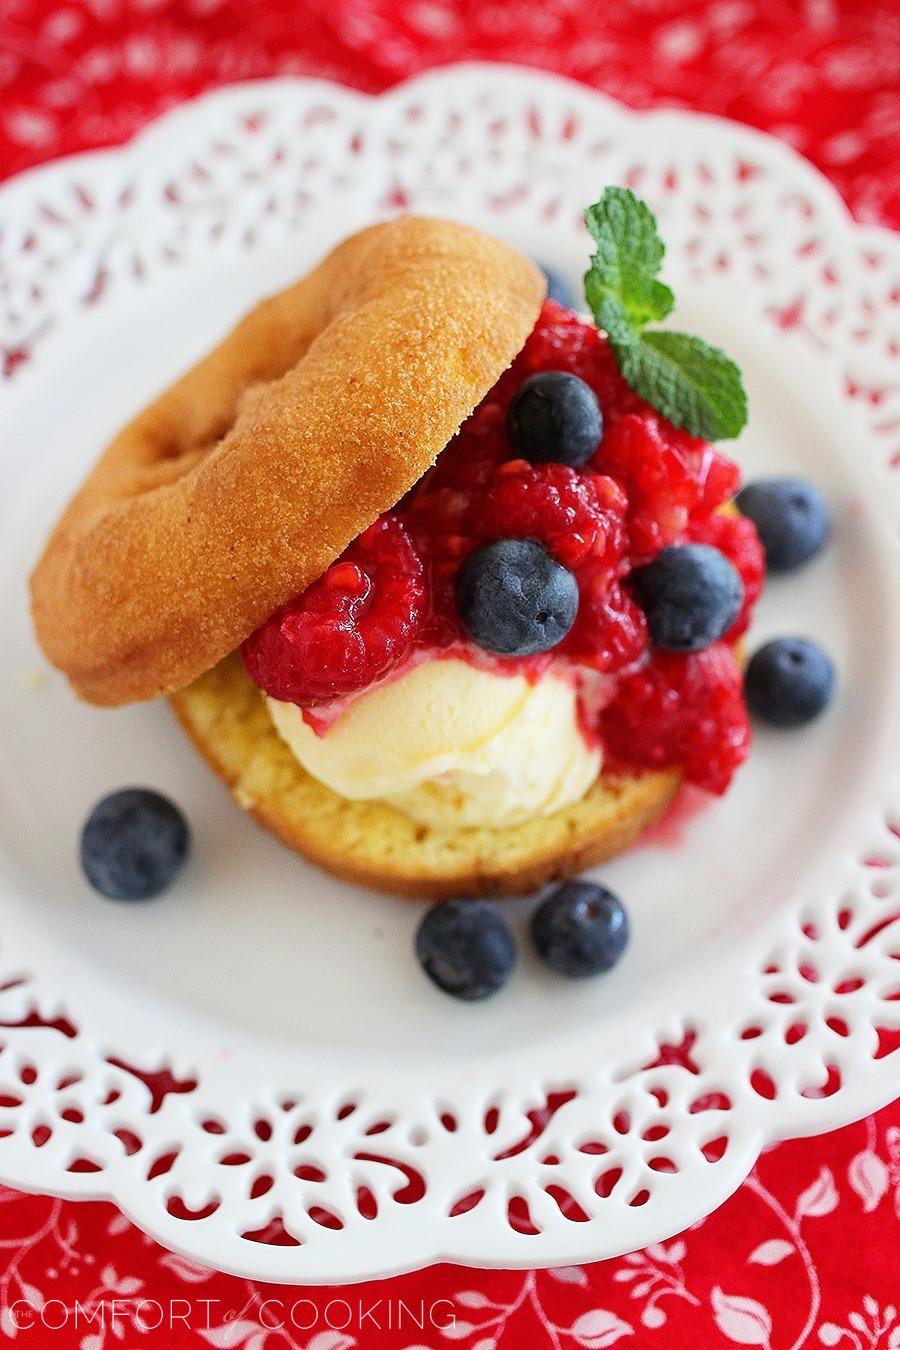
(683, 712)
(349, 628)
(579, 516)
(717, 477)
(736, 537)
(610, 631)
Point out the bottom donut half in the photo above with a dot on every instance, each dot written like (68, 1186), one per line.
(372, 843)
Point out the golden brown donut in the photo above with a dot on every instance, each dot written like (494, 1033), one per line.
(249, 476)
(371, 842)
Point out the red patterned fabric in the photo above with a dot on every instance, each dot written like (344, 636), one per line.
(822, 74)
(808, 1252)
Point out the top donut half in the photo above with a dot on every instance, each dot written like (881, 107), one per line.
(239, 486)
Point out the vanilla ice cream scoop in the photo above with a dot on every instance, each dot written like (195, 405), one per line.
(452, 745)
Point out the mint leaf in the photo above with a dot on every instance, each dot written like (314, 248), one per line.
(629, 255)
(612, 317)
(696, 386)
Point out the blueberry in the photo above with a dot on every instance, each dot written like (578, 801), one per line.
(691, 595)
(789, 681)
(466, 948)
(554, 416)
(580, 929)
(133, 844)
(791, 518)
(513, 599)
(558, 287)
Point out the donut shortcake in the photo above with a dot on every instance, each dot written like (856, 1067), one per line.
(451, 606)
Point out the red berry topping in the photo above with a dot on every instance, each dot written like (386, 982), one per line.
(610, 631)
(349, 628)
(717, 477)
(648, 485)
(667, 474)
(683, 712)
(562, 341)
(580, 516)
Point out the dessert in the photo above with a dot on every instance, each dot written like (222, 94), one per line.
(443, 579)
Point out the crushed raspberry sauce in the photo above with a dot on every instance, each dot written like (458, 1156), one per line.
(390, 598)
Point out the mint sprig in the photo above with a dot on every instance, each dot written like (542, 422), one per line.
(694, 385)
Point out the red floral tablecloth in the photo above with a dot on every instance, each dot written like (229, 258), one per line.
(808, 1252)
